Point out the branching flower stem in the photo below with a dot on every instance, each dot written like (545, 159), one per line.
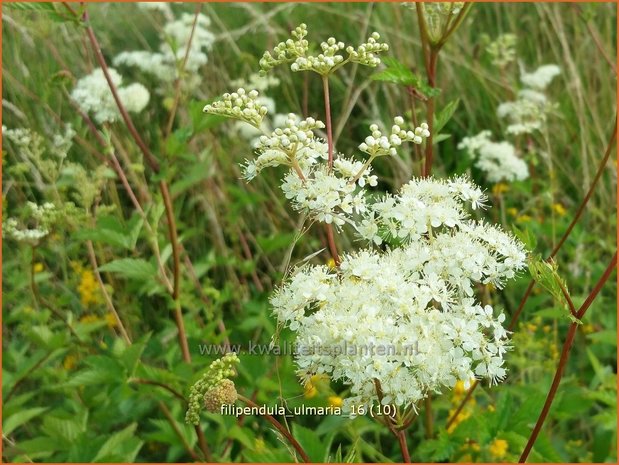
(556, 249)
(163, 187)
(181, 70)
(329, 128)
(567, 345)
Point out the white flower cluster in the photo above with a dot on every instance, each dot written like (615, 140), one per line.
(161, 7)
(295, 50)
(377, 144)
(421, 205)
(61, 143)
(93, 95)
(528, 113)
(28, 142)
(498, 160)
(417, 329)
(240, 105)
(541, 77)
(294, 144)
(327, 197)
(42, 215)
(164, 65)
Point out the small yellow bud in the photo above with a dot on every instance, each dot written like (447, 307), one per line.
(335, 401)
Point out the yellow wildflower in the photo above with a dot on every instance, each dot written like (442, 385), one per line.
(88, 288)
(310, 391)
(523, 219)
(547, 328)
(335, 401)
(588, 328)
(69, 362)
(559, 209)
(110, 319)
(491, 408)
(512, 211)
(459, 388)
(38, 267)
(259, 445)
(463, 415)
(89, 318)
(498, 448)
(500, 188)
(531, 327)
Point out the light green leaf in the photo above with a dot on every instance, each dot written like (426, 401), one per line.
(19, 418)
(133, 268)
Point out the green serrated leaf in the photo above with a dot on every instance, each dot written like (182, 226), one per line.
(16, 420)
(133, 268)
(443, 116)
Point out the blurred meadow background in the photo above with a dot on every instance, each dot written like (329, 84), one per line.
(92, 365)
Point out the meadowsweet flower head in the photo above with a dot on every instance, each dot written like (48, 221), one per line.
(418, 299)
(164, 65)
(498, 160)
(93, 95)
(541, 77)
(160, 7)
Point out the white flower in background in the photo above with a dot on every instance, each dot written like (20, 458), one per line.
(532, 96)
(164, 65)
(498, 160)
(417, 300)
(61, 143)
(256, 81)
(135, 97)
(541, 77)
(93, 95)
(500, 163)
(161, 7)
(524, 115)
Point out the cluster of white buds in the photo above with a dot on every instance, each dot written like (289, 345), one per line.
(289, 138)
(377, 144)
(295, 51)
(324, 196)
(365, 54)
(325, 62)
(287, 51)
(239, 105)
(293, 145)
(44, 217)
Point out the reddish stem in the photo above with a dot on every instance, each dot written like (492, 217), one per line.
(403, 446)
(566, 234)
(329, 128)
(279, 428)
(567, 345)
